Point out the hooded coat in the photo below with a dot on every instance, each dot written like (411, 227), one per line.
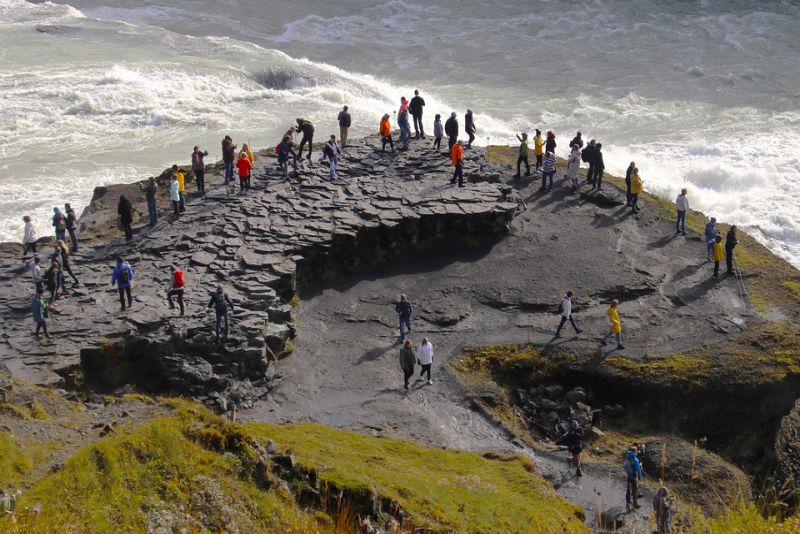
(613, 318)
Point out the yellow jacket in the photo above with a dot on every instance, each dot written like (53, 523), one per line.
(538, 143)
(637, 186)
(717, 252)
(613, 316)
(179, 176)
(246, 150)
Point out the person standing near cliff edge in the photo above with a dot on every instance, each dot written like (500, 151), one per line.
(175, 196)
(682, 206)
(599, 167)
(573, 167)
(415, 108)
(72, 226)
(39, 310)
(637, 186)
(717, 254)
(179, 176)
(29, 236)
(615, 325)
(199, 170)
(122, 276)
(628, 172)
(451, 131)
(587, 156)
(60, 224)
(710, 234)
(438, 132)
(522, 157)
(125, 212)
(150, 195)
(457, 157)
(386, 133)
(344, 125)
(730, 243)
(228, 157)
(307, 129)
(469, 127)
(538, 149)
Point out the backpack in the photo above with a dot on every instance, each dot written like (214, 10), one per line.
(278, 149)
(586, 154)
(328, 150)
(219, 302)
(561, 306)
(627, 465)
(124, 275)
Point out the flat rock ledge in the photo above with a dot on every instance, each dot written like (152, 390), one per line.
(262, 246)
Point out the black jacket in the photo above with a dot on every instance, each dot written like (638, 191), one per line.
(469, 126)
(125, 210)
(550, 145)
(416, 105)
(576, 141)
(598, 160)
(306, 127)
(344, 119)
(451, 127)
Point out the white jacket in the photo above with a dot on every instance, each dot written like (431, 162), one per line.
(574, 164)
(566, 307)
(30, 233)
(682, 203)
(425, 354)
(36, 271)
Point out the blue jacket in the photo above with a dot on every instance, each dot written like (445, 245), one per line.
(118, 270)
(711, 231)
(636, 466)
(402, 120)
(39, 309)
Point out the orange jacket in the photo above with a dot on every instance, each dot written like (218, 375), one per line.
(456, 154)
(386, 128)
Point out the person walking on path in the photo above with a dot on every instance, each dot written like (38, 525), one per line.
(587, 155)
(150, 195)
(451, 130)
(457, 157)
(628, 172)
(730, 243)
(37, 277)
(710, 234)
(548, 171)
(307, 129)
(415, 108)
(637, 186)
(29, 237)
(243, 166)
(615, 325)
(72, 225)
(469, 127)
(550, 143)
(633, 469)
(222, 305)
(405, 128)
(682, 205)
(438, 132)
(332, 152)
(52, 279)
(61, 254)
(122, 276)
(176, 287)
(573, 440)
(404, 310)
(60, 224)
(386, 133)
(425, 358)
(407, 362)
(344, 125)
(717, 254)
(199, 169)
(228, 157)
(284, 151)
(599, 167)
(538, 149)
(663, 509)
(577, 140)
(125, 212)
(181, 187)
(175, 196)
(39, 310)
(565, 309)
(574, 166)
(523, 155)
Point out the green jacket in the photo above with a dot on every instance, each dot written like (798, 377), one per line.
(407, 358)
(523, 149)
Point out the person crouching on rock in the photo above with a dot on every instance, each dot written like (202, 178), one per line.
(176, 287)
(615, 326)
(717, 254)
(425, 358)
(39, 310)
(222, 304)
(243, 165)
(573, 440)
(407, 362)
(386, 133)
(284, 151)
(457, 157)
(404, 310)
(122, 276)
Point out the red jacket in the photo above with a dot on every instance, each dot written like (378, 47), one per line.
(177, 279)
(244, 166)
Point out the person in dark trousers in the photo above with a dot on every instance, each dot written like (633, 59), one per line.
(404, 311)
(599, 167)
(628, 172)
(730, 243)
(637, 187)
(29, 237)
(122, 277)
(682, 206)
(451, 131)
(181, 178)
(228, 157)
(538, 148)
(244, 166)
(405, 128)
(37, 277)
(573, 440)
(457, 157)
(52, 280)
(469, 127)
(176, 287)
(587, 155)
(125, 212)
(717, 254)
(222, 305)
(39, 310)
(386, 133)
(565, 309)
(577, 140)
(61, 254)
(72, 225)
(307, 129)
(710, 234)
(344, 125)
(284, 151)
(407, 361)
(438, 132)
(633, 470)
(60, 224)
(550, 142)
(150, 191)
(175, 196)
(415, 108)
(548, 171)
(199, 169)
(523, 155)
(425, 358)
(663, 509)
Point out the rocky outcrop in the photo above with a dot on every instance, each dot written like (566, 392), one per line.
(262, 246)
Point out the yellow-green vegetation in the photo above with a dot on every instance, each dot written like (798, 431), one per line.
(198, 472)
(740, 518)
(16, 461)
(523, 364)
(678, 367)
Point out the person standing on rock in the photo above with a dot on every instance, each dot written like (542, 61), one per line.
(405, 128)
(633, 470)
(538, 149)
(717, 254)
(39, 310)
(415, 108)
(573, 167)
(637, 186)
(176, 287)
(730, 243)
(682, 205)
(122, 276)
(710, 234)
(228, 157)
(386, 133)
(404, 310)
(403, 105)
(307, 129)
(550, 143)
(565, 309)
(332, 152)
(284, 151)
(52, 279)
(150, 195)
(587, 155)
(457, 157)
(469, 127)
(37, 277)
(181, 178)
(599, 167)
(615, 325)
(60, 224)
(29, 237)
(573, 440)
(243, 166)
(523, 155)
(628, 172)
(72, 225)
(222, 305)
(425, 358)
(199, 170)
(663, 509)
(451, 130)
(344, 125)
(407, 362)
(577, 140)
(548, 171)
(125, 212)
(438, 132)
(61, 254)
(175, 196)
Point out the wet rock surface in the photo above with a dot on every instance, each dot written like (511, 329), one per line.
(261, 245)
